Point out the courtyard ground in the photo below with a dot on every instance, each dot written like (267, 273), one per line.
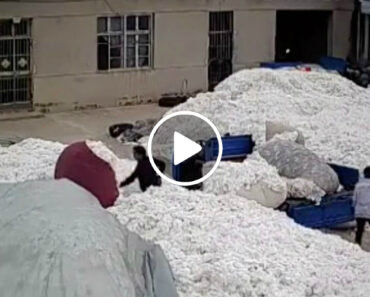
(69, 127)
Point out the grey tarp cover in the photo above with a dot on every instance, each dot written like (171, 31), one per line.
(295, 161)
(57, 241)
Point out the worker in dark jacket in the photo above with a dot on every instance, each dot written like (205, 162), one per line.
(192, 169)
(144, 171)
(361, 199)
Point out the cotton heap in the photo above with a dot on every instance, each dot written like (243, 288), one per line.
(331, 111)
(227, 246)
(253, 179)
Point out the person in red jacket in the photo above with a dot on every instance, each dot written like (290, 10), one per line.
(144, 171)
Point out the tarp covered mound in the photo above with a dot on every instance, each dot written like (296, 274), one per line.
(56, 241)
(79, 164)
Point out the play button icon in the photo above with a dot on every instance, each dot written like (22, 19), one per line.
(184, 148)
(180, 140)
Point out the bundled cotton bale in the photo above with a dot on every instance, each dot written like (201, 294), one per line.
(274, 127)
(295, 161)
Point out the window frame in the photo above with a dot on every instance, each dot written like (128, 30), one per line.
(18, 79)
(124, 33)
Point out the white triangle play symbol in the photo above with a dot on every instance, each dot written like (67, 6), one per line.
(184, 148)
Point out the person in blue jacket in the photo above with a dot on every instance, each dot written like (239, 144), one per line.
(361, 199)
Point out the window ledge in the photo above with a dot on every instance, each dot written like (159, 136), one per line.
(123, 70)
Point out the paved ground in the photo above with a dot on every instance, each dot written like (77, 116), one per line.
(68, 127)
(349, 235)
(71, 126)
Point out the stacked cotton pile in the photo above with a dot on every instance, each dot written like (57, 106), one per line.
(222, 245)
(243, 175)
(35, 159)
(253, 179)
(330, 111)
(30, 159)
(225, 245)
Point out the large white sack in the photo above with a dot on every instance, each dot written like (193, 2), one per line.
(295, 161)
(57, 241)
(263, 194)
(274, 128)
(253, 179)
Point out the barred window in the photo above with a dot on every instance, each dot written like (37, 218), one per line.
(124, 42)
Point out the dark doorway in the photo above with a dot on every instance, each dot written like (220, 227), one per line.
(301, 36)
(220, 52)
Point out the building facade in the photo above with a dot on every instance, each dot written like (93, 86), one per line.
(362, 31)
(60, 55)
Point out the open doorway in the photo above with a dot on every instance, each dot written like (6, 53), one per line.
(302, 36)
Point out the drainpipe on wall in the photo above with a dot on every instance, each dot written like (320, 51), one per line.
(358, 35)
(366, 40)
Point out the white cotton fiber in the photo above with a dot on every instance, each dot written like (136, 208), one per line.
(227, 246)
(331, 111)
(253, 179)
(30, 159)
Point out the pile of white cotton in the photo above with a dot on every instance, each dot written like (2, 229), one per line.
(331, 111)
(240, 178)
(223, 246)
(30, 159)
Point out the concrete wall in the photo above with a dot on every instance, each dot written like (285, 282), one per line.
(181, 39)
(91, 7)
(64, 45)
(254, 40)
(341, 30)
(65, 53)
(65, 62)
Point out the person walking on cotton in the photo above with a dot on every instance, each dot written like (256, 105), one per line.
(361, 200)
(144, 171)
